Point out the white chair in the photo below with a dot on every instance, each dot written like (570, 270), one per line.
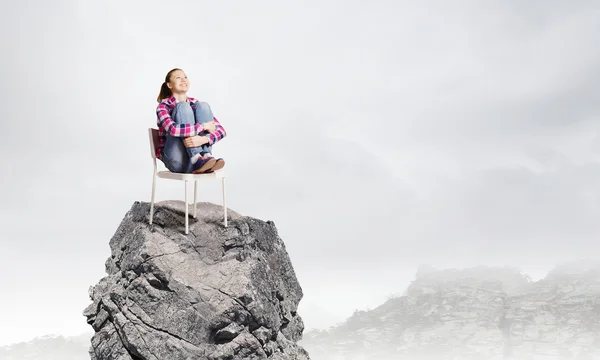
(219, 174)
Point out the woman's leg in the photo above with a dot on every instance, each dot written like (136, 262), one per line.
(203, 114)
(175, 156)
(183, 114)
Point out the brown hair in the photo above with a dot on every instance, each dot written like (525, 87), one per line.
(165, 92)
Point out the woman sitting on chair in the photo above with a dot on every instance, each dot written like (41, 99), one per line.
(187, 128)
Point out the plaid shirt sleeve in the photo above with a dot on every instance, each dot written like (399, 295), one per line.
(218, 134)
(170, 127)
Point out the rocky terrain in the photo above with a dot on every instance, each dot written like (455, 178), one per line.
(479, 313)
(218, 293)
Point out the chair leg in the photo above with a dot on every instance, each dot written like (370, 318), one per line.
(152, 199)
(224, 200)
(195, 197)
(186, 209)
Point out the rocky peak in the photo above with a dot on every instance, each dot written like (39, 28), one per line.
(217, 293)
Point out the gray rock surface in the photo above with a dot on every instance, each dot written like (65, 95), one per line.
(217, 293)
(479, 313)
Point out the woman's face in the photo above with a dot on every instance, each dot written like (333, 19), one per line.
(178, 83)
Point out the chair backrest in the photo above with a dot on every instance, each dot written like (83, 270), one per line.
(154, 141)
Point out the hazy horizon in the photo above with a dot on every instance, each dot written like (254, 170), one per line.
(535, 274)
(388, 134)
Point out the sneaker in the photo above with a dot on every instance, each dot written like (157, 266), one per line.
(219, 163)
(203, 164)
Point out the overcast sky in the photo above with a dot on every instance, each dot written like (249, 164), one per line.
(377, 137)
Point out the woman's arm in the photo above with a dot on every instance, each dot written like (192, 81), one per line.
(171, 127)
(211, 138)
(218, 134)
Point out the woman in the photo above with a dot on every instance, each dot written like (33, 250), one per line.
(187, 128)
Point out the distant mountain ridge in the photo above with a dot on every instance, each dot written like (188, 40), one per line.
(49, 347)
(478, 313)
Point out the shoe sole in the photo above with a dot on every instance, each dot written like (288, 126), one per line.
(219, 164)
(209, 164)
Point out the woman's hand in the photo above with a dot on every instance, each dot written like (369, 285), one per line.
(210, 126)
(195, 141)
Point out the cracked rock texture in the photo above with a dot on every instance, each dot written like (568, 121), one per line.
(478, 313)
(217, 293)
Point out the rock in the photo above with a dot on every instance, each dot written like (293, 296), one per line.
(228, 333)
(478, 313)
(217, 293)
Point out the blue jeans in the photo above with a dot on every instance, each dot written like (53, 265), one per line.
(175, 155)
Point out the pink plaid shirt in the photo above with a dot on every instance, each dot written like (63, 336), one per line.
(166, 125)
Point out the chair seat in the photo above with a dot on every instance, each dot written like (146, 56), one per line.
(190, 177)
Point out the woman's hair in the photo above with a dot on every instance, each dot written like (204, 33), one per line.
(165, 92)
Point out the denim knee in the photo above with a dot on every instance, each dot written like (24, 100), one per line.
(203, 105)
(203, 112)
(183, 113)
